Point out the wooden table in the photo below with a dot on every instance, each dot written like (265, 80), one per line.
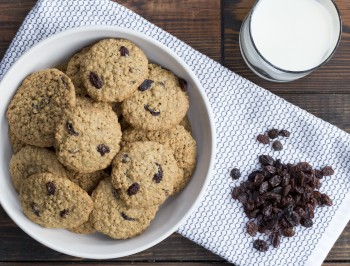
(212, 27)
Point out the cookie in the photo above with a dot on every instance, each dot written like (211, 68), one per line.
(87, 137)
(113, 69)
(32, 160)
(88, 182)
(38, 105)
(54, 202)
(112, 217)
(85, 228)
(179, 140)
(144, 173)
(15, 142)
(158, 104)
(73, 71)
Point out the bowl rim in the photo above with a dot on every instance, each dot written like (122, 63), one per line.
(212, 132)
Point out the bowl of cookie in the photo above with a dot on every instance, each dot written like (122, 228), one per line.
(107, 140)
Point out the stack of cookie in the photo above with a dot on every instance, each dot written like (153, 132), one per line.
(101, 143)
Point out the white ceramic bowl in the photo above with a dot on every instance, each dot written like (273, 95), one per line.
(57, 49)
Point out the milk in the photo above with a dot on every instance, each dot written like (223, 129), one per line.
(293, 35)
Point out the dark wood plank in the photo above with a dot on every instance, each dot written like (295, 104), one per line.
(12, 14)
(332, 78)
(196, 22)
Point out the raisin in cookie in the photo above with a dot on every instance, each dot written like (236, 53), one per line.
(112, 217)
(15, 142)
(87, 137)
(54, 202)
(38, 104)
(144, 173)
(73, 71)
(33, 160)
(158, 104)
(113, 69)
(179, 140)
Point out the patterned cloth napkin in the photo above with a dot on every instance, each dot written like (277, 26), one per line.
(242, 110)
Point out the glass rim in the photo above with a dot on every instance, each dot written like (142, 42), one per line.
(299, 71)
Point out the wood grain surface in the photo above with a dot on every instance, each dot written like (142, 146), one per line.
(212, 27)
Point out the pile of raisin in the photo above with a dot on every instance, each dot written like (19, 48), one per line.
(278, 197)
(273, 134)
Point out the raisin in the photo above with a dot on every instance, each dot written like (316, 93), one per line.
(263, 139)
(235, 173)
(260, 245)
(103, 149)
(270, 169)
(251, 176)
(277, 190)
(159, 175)
(277, 145)
(183, 84)
(127, 218)
(318, 174)
(123, 51)
(275, 181)
(64, 82)
(125, 158)
(286, 190)
(133, 189)
(51, 188)
(266, 160)
(275, 239)
(327, 171)
(272, 133)
(152, 111)
(95, 80)
(267, 210)
(35, 209)
(325, 200)
(235, 192)
(306, 222)
(64, 213)
(242, 198)
(252, 228)
(284, 133)
(263, 187)
(250, 205)
(259, 178)
(71, 129)
(145, 85)
(288, 232)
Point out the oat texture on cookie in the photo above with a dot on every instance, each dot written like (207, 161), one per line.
(113, 69)
(87, 137)
(38, 104)
(159, 103)
(112, 217)
(54, 202)
(144, 173)
(178, 139)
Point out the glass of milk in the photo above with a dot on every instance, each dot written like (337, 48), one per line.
(284, 40)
